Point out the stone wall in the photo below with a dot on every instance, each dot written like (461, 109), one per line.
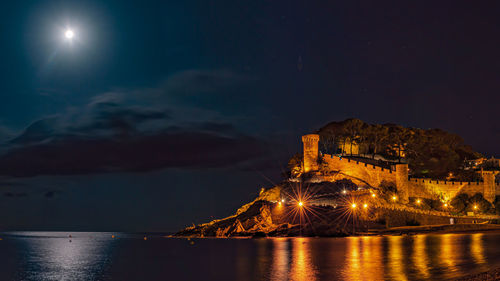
(359, 172)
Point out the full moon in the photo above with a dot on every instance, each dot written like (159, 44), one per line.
(69, 34)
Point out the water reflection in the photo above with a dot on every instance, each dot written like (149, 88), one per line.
(363, 259)
(447, 253)
(263, 256)
(373, 261)
(420, 255)
(62, 258)
(302, 266)
(477, 250)
(396, 262)
(280, 266)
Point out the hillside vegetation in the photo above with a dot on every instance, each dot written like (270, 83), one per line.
(428, 152)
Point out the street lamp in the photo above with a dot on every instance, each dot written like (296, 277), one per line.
(353, 206)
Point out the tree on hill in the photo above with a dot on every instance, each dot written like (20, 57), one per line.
(429, 153)
(375, 136)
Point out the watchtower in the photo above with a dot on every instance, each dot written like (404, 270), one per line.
(489, 185)
(310, 152)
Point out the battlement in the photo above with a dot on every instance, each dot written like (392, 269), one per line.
(444, 182)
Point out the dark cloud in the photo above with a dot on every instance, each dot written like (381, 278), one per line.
(74, 155)
(108, 136)
(51, 193)
(15, 194)
(100, 118)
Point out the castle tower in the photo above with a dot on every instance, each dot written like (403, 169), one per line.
(310, 152)
(402, 182)
(489, 185)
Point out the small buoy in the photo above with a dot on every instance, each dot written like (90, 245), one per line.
(145, 238)
(70, 236)
(69, 240)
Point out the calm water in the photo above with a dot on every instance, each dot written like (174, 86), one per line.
(97, 256)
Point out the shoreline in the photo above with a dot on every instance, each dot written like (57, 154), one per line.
(394, 231)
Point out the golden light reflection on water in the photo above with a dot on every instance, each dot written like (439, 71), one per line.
(396, 260)
(450, 254)
(477, 250)
(353, 262)
(280, 265)
(447, 253)
(303, 267)
(373, 260)
(420, 255)
(363, 259)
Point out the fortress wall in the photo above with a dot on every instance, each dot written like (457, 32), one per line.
(361, 172)
(426, 188)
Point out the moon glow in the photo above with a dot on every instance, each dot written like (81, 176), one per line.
(69, 34)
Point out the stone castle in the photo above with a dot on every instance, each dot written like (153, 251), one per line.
(335, 167)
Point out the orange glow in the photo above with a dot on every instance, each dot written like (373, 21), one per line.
(344, 191)
(475, 207)
(353, 205)
(373, 195)
(282, 200)
(450, 252)
(365, 206)
(394, 198)
(477, 250)
(420, 256)
(445, 205)
(281, 261)
(396, 259)
(300, 203)
(302, 265)
(418, 201)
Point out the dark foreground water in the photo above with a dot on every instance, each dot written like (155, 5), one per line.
(98, 256)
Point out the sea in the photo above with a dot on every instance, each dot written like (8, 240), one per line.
(137, 256)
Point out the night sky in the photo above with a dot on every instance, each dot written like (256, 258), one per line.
(158, 114)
